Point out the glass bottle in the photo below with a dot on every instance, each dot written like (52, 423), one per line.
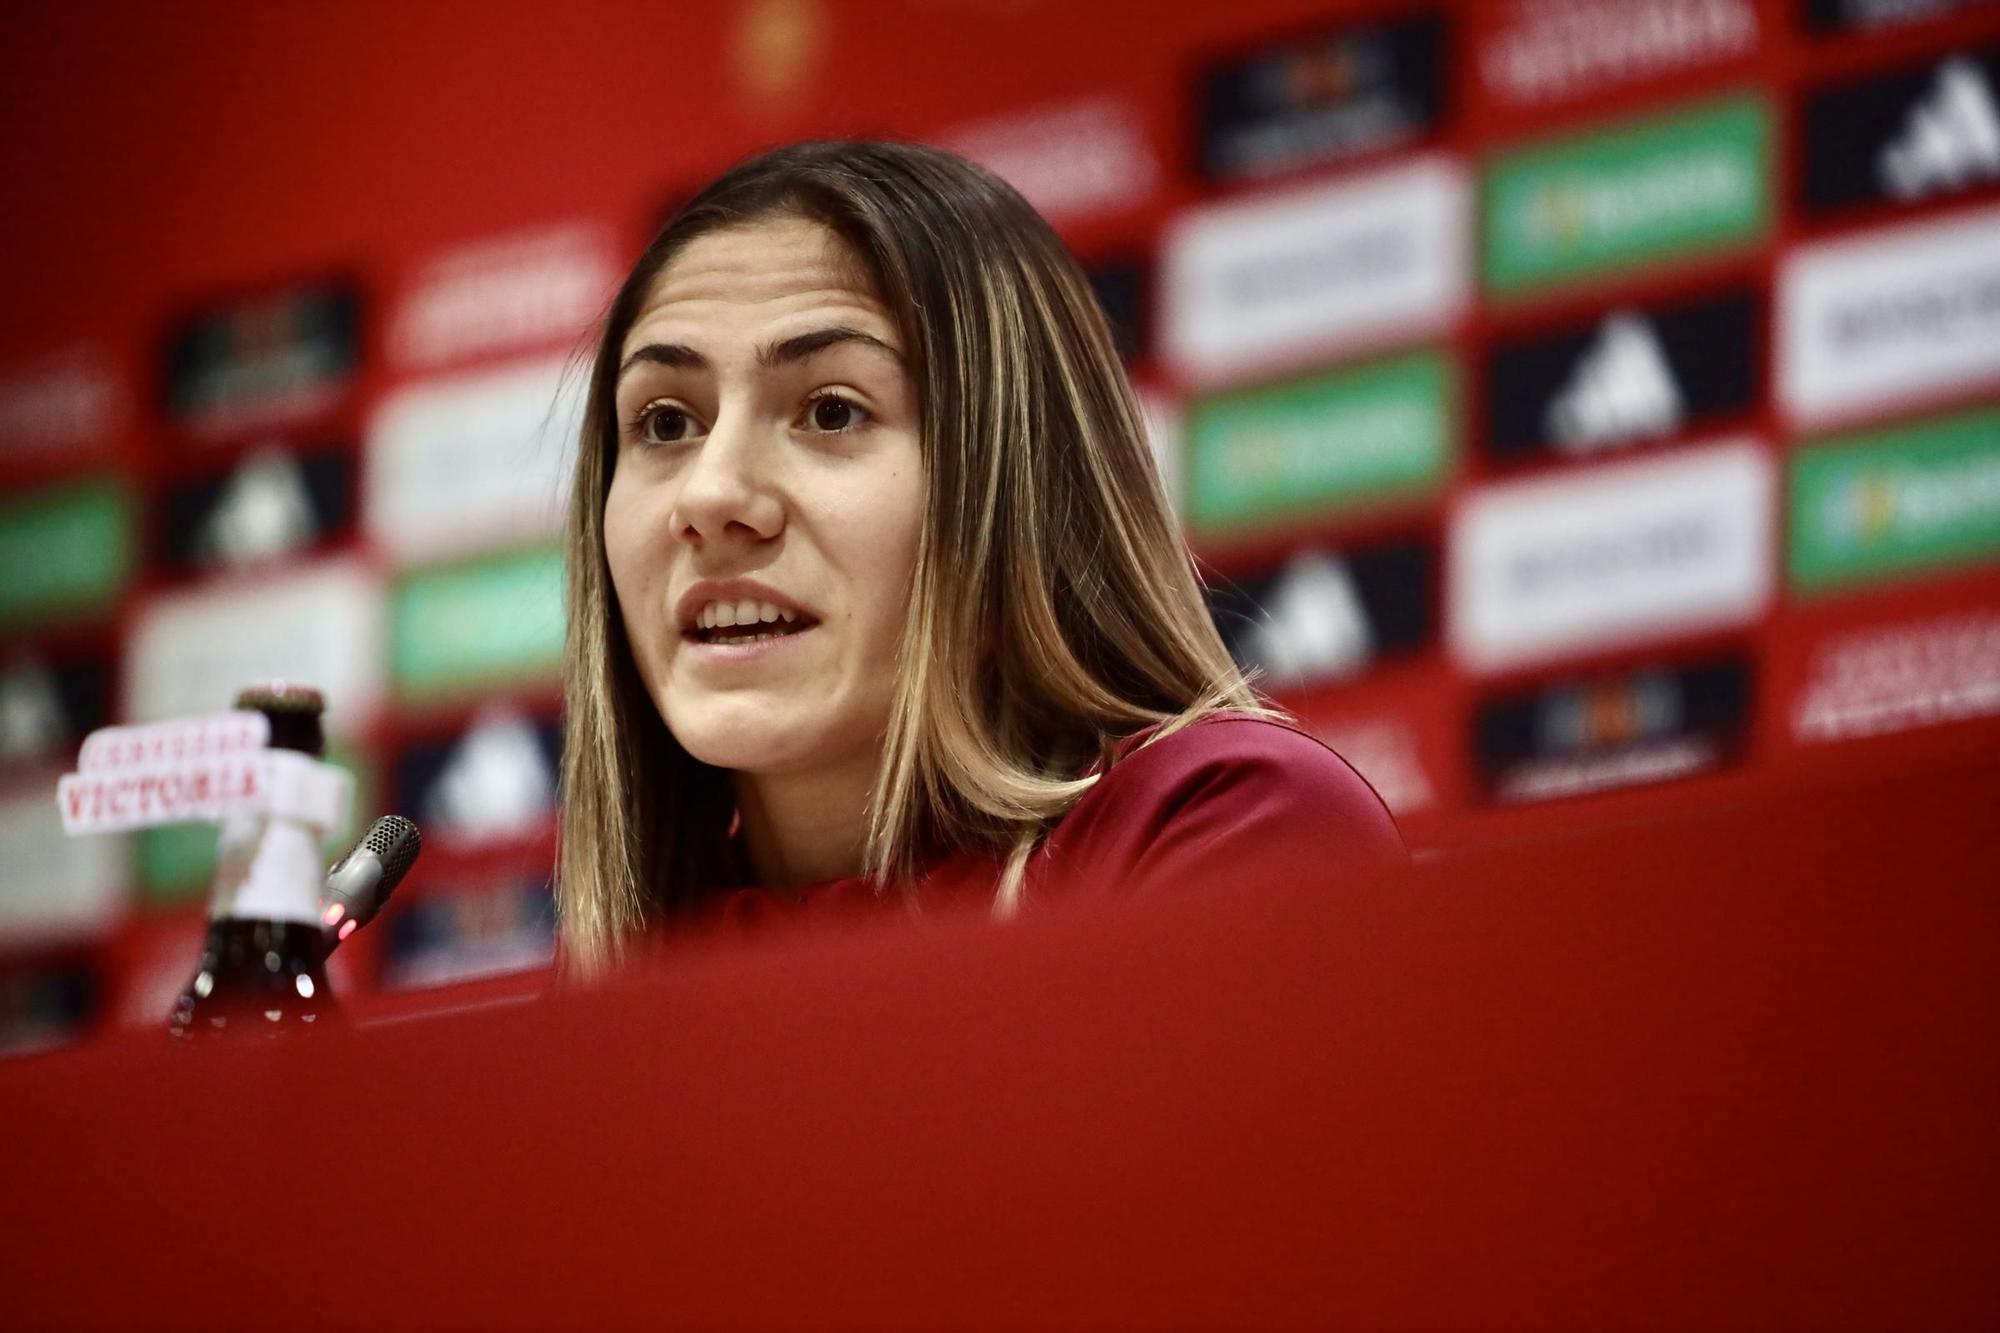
(263, 963)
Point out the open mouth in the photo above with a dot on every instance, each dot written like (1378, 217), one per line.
(749, 633)
(747, 622)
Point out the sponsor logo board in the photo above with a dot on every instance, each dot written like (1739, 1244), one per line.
(1633, 375)
(1609, 730)
(1251, 282)
(49, 702)
(57, 886)
(494, 782)
(504, 295)
(67, 551)
(1534, 52)
(263, 362)
(1830, 16)
(1903, 136)
(1898, 501)
(276, 503)
(1355, 437)
(1322, 98)
(1887, 678)
(1668, 187)
(1619, 554)
(64, 406)
(1121, 287)
(1325, 614)
(496, 620)
(461, 931)
(1868, 321)
(1072, 160)
(472, 460)
(188, 652)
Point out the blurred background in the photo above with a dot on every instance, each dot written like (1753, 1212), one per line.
(1583, 408)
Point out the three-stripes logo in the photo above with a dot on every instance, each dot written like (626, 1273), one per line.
(1325, 614)
(1631, 375)
(1915, 133)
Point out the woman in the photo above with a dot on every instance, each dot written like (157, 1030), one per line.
(873, 589)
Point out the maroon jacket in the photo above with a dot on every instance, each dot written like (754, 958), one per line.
(1229, 799)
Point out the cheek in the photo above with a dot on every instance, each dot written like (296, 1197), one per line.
(624, 546)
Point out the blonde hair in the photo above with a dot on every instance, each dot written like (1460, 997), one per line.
(1054, 608)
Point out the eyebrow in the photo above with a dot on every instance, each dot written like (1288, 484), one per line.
(786, 352)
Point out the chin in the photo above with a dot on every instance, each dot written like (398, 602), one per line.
(748, 735)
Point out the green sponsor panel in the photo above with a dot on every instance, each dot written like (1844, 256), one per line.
(1888, 502)
(64, 552)
(1360, 436)
(491, 621)
(1649, 190)
(177, 861)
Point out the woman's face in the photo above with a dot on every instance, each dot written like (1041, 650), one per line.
(762, 521)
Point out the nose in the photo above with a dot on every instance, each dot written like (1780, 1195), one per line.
(727, 492)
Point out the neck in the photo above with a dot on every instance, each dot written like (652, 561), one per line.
(802, 828)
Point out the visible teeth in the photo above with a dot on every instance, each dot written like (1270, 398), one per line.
(723, 615)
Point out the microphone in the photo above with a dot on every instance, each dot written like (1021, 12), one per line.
(360, 882)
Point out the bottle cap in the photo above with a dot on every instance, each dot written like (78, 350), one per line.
(281, 696)
(294, 711)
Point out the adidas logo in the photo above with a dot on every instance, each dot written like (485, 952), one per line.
(32, 721)
(1621, 390)
(263, 513)
(1951, 139)
(1313, 625)
(496, 786)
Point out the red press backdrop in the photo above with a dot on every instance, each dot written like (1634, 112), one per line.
(1584, 409)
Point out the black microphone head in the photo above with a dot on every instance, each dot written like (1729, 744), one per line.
(395, 842)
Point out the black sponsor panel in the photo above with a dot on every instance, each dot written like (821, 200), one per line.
(1923, 131)
(1598, 732)
(1323, 613)
(493, 782)
(1628, 376)
(50, 702)
(278, 357)
(452, 932)
(1831, 16)
(48, 1002)
(275, 503)
(1322, 98)
(1121, 286)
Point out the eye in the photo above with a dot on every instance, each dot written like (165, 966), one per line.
(664, 423)
(831, 414)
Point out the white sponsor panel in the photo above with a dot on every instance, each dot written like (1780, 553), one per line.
(1247, 283)
(503, 295)
(1070, 160)
(1541, 51)
(472, 460)
(56, 886)
(1890, 315)
(1898, 677)
(325, 625)
(1616, 555)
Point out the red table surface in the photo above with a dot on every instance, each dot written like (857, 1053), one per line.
(1731, 1068)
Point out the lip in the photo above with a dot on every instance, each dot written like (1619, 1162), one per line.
(698, 595)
